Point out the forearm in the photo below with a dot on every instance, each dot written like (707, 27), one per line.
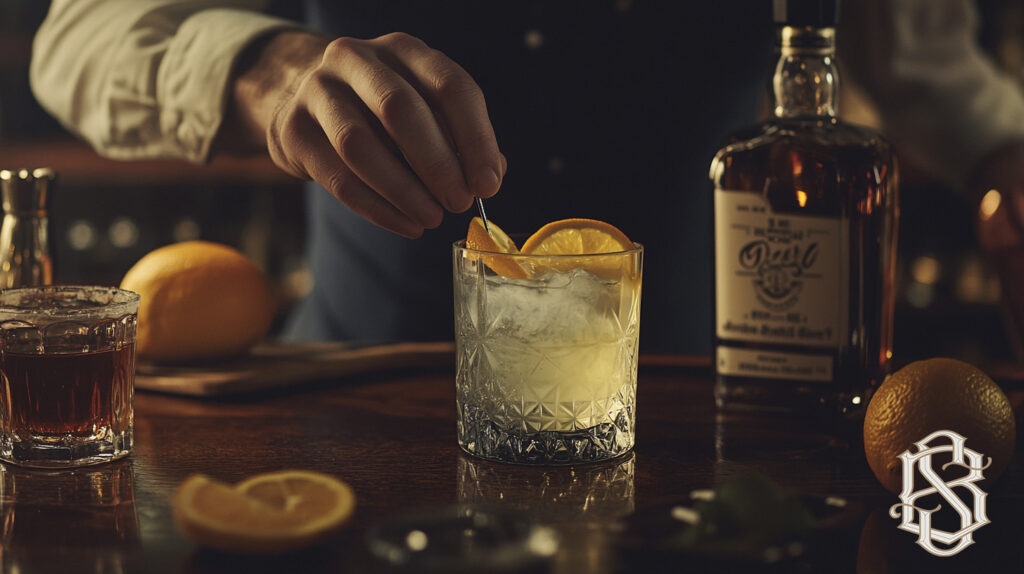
(394, 129)
(266, 73)
(143, 79)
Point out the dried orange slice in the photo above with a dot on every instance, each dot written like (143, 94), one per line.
(579, 237)
(266, 514)
(497, 241)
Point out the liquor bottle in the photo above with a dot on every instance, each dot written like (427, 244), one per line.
(805, 215)
(25, 257)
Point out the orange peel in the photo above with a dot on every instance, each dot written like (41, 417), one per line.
(582, 237)
(494, 243)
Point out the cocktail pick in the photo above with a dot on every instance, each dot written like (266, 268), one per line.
(483, 214)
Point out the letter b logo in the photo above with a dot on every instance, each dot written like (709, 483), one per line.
(971, 512)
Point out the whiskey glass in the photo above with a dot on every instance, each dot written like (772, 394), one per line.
(67, 375)
(546, 365)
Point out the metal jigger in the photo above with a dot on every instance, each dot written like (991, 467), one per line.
(25, 257)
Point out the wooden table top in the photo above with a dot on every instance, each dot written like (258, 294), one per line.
(392, 437)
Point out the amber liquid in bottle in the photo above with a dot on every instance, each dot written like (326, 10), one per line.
(805, 213)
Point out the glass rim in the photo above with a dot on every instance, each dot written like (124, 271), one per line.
(122, 302)
(637, 249)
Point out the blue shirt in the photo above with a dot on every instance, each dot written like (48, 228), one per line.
(605, 109)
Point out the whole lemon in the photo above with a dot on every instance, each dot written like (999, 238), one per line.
(199, 300)
(931, 395)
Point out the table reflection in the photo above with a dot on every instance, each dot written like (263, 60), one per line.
(582, 503)
(85, 516)
(804, 454)
(883, 548)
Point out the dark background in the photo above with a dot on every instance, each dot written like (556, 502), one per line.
(108, 214)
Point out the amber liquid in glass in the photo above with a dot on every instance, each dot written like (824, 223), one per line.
(77, 394)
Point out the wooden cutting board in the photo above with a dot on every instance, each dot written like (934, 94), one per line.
(273, 366)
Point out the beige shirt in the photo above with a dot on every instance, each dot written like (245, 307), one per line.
(148, 79)
(143, 79)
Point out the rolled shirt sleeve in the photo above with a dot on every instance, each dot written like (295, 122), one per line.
(143, 79)
(943, 101)
(150, 79)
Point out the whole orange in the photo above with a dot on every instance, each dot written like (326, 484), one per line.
(937, 394)
(199, 300)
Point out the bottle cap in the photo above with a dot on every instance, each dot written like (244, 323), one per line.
(813, 13)
(27, 191)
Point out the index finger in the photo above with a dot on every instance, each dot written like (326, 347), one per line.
(452, 91)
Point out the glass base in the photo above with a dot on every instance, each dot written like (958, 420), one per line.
(485, 439)
(65, 451)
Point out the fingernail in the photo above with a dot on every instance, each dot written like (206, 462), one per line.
(486, 183)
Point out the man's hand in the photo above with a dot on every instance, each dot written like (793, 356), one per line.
(394, 129)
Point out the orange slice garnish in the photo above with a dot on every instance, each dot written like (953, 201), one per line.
(579, 237)
(267, 514)
(497, 241)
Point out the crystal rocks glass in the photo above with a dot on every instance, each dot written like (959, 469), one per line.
(67, 375)
(546, 366)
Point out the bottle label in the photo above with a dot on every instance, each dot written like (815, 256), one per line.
(772, 365)
(780, 278)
